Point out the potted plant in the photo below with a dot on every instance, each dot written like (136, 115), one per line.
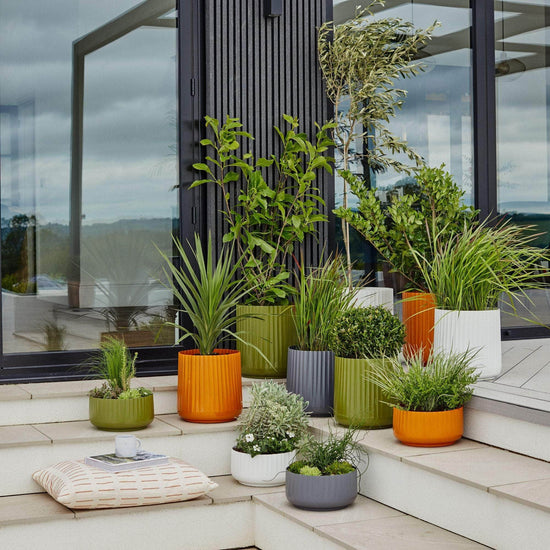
(322, 295)
(399, 225)
(266, 223)
(209, 376)
(115, 406)
(269, 431)
(468, 275)
(361, 338)
(428, 401)
(361, 59)
(325, 477)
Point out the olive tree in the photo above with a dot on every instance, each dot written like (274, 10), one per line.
(361, 59)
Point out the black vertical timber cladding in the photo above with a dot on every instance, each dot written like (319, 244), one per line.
(258, 69)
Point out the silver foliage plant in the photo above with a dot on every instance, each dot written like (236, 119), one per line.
(275, 422)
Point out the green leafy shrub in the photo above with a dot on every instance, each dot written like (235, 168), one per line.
(445, 383)
(400, 227)
(334, 455)
(323, 294)
(267, 221)
(275, 421)
(367, 333)
(117, 367)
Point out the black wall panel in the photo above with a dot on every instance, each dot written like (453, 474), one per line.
(258, 68)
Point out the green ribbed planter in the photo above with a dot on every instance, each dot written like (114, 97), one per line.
(271, 330)
(357, 401)
(122, 415)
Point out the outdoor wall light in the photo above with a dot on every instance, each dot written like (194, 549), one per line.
(273, 8)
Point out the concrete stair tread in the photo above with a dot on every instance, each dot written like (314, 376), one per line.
(74, 388)
(53, 402)
(368, 524)
(365, 520)
(84, 431)
(486, 468)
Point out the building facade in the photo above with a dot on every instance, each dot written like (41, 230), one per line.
(101, 109)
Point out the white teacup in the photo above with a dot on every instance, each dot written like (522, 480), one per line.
(127, 446)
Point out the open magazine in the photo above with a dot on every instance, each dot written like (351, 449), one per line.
(113, 463)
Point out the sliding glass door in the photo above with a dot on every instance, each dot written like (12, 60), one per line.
(522, 72)
(89, 171)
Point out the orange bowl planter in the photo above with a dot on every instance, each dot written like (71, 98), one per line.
(418, 317)
(428, 429)
(209, 386)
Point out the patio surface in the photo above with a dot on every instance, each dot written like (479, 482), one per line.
(525, 378)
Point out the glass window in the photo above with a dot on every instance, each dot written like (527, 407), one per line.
(88, 171)
(436, 118)
(522, 71)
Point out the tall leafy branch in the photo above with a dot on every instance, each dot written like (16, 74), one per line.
(266, 222)
(361, 59)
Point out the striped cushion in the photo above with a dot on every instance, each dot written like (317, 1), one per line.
(79, 486)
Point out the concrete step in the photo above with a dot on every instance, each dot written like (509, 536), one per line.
(492, 496)
(231, 516)
(488, 495)
(25, 449)
(510, 421)
(39, 403)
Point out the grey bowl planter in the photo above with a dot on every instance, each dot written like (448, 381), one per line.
(321, 492)
(311, 375)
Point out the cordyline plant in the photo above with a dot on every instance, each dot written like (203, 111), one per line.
(207, 293)
(482, 264)
(322, 296)
(400, 229)
(361, 59)
(266, 222)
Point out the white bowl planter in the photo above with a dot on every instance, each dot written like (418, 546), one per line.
(460, 331)
(374, 296)
(262, 470)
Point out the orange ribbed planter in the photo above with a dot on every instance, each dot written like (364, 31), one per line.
(428, 429)
(209, 386)
(418, 317)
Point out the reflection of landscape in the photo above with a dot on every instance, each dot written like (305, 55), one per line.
(119, 294)
(88, 171)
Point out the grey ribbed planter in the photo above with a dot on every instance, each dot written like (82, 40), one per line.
(311, 375)
(321, 492)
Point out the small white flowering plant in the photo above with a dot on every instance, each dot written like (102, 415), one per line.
(275, 422)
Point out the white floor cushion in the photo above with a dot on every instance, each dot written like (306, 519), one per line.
(77, 485)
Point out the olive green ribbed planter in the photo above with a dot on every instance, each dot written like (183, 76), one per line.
(120, 415)
(357, 401)
(271, 330)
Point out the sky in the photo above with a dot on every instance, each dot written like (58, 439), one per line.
(129, 133)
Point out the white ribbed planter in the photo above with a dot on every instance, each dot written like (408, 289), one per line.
(459, 331)
(374, 296)
(262, 470)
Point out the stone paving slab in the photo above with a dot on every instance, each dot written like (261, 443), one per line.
(395, 533)
(83, 430)
(11, 436)
(484, 468)
(533, 493)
